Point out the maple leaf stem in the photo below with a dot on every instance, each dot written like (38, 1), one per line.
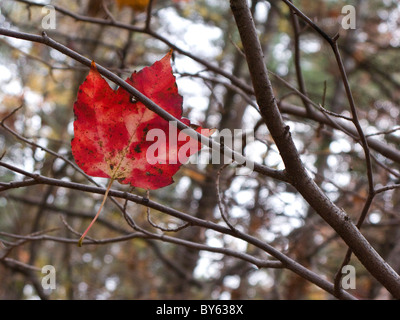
(97, 214)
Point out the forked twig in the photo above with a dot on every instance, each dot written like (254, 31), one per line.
(220, 205)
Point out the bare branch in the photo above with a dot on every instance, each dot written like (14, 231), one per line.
(300, 179)
(151, 33)
(220, 204)
(288, 262)
(146, 101)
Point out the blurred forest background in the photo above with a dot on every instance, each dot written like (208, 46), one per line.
(43, 83)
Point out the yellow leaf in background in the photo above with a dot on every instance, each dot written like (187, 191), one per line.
(195, 175)
(139, 5)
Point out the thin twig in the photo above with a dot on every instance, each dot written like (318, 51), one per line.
(29, 182)
(299, 74)
(363, 140)
(151, 33)
(108, 12)
(220, 205)
(294, 167)
(154, 225)
(284, 259)
(309, 101)
(45, 39)
(381, 147)
(258, 262)
(225, 84)
(386, 188)
(148, 15)
(21, 264)
(382, 132)
(70, 229)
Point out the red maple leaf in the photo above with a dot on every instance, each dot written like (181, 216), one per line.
(110, 129)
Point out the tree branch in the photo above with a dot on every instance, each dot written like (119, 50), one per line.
(148, 31)
(280, 175)
(285, 260)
